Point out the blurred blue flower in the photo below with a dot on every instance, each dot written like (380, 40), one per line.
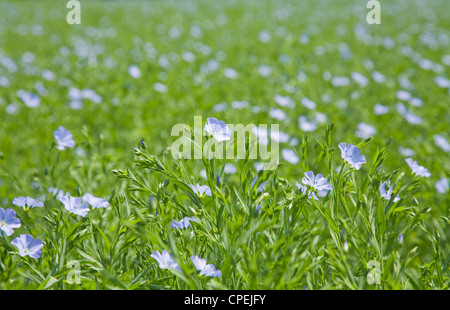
(75, 205)
(91, 95)
(442, 82)
(231, 73)
(290, 156)
(317, 182)
(201, 190)
(380, 109)
(165, 260)
(261, 135)
(403, 95)
(27, 202)
(205, 270)
(58, 193)
(406, 152)
(183, 223)
(345, 246)
(8, 221)
(160, 87)
(308, 103)
(284, 101)
(63, 138)
(95, 202)
(264, 70)
(442, 143)
(360, 79)
(306, 125)
(351, 154)
(279, 136)
(264, 36)
(277, 114)
(365, 131)
(28, 246)
(30, 99)
(240, 104)
(442, 186)
(134, 71)
(219, 107)
(387, 194)
(416, 169)
(218, 129)
(408, 115)
(229, 168)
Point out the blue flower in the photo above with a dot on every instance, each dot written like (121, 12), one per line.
(63, 138)
(442, 82)
(165, 260)
(416, 169)
(205, 270)
(201, 190)
(303, 189)
(28, 246)
(239, 104)
(346, 246)
(231, 73)
(277, 114)
(261, 135)
(442, 143)
(290, 156)
(380, 109)
(284, 101)
(442, 186)
(279, 136)
(27, 202)
(95, 202)
(351, 154)
(408, 115)
(229, 168)
(406, 152)
(91, 95)
(134, 71)
(264, 70)
(317, 182)
(160, 87)
(58, 193)
(306, 125)
(8, 221)
(183, 223)
(387, 194)
(365, 130)
(30, 99)
(308, 103)
(218, 129)
(75, 205)
(360, 79)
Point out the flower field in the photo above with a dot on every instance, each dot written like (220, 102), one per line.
(96, 194)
